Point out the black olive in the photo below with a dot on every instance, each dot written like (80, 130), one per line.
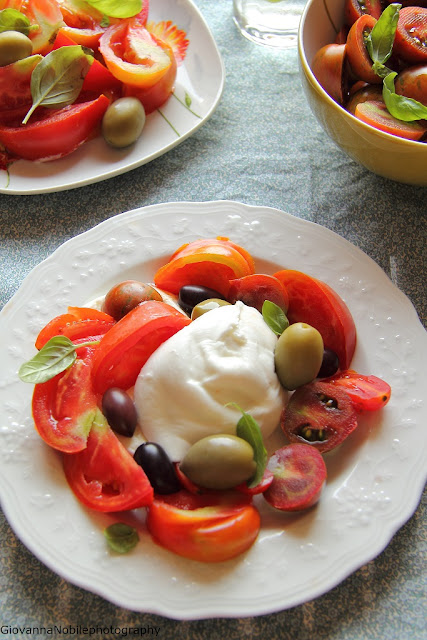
(120, 411)
(158, 467)
(330, 364)
(191, 294)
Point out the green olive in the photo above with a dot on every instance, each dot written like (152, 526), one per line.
(14, 46)
(298, 355)
(123, 122)
(207, 305)
(219, 461)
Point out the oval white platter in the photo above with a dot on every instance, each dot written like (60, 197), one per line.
(200, 80)
(375, 478)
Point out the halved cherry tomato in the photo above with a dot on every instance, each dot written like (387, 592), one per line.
(377, 115)
(212, 527)
(65, 406)
(319, 414)
(367, 393)
(367, 93)
(127, 346)
(79, 322)
(133, 55)
(299, 475)
(410, 41)
(357, 53)
(210, 263)
(46, 20)
(412, 83)
(328, 67)
(314, 302)
(127, 295)
(353, 9)
(104, 476)
(56, 134)
(256, 288)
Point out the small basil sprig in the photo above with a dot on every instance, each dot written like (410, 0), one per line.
(57, 355)
(13, 20)
(121, 537)
(114, 9)
(248, 429)
(401, 107)
(274, 317)
(58, 78)
(379, 42)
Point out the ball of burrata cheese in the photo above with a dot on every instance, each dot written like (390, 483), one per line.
(184, 390)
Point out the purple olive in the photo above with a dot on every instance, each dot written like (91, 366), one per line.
(120, 411)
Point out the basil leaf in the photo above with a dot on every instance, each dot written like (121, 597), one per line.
(274, 317)
(379, 42)
(58, 78)
(13, 20)
(54, 357)
(401, 107)
(121, 537)
(248, 429)
(114, 9)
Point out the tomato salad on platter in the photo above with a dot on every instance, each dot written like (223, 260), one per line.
(377, 67)
(71, 70)
(161, 396)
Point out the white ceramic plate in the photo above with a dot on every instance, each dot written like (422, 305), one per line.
(200, 77)
(375, 478)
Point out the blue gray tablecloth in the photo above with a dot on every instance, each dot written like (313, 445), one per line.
(262, 146)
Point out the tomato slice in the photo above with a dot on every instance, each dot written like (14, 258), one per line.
(314, 302)
(357, 53)
(154, 97)
(410, 41)
(46, 19)
(167, 32)
(127, 346)
(104, 476)
(210, 263)
(328, 67)
(65, 406)
(55, 134)
(367, 393)
(79, 322)
(255, 289)
(377, 115)
(133, 55)
(319, 414)
(212, 527)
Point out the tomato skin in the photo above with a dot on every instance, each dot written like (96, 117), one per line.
(410, 42)
(377, 115)
(322, 408)
(367, 393)
(328, 67)
(412, 83)
(314, 302)
(254, 289)
(353, 9)
(123, 351)
(64, 407)
(57, 134)
(357, 53)
(211, 263)
(207, 528)
(104, 476)
(79, 322)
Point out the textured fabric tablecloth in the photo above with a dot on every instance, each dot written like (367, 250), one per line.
(262, 146)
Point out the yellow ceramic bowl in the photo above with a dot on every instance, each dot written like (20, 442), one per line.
(384, 154)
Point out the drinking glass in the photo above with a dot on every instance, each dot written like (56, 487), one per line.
(270, 22)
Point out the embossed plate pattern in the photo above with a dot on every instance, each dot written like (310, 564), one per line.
(375, 479)
(200, 77)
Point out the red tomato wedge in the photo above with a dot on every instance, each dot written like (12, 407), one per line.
(65, 406)
(357, 53)
(79, 322)
(377, 115)
(212, 527)
(57, 133)
(367, 393)
(299, 475)
(104, 476)
(256, 288)
(46, 19)
(328, 67)
(211, 263)
(127, 346)
(154, 97)
(314, 302)
(410, 41)
(15, 89)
